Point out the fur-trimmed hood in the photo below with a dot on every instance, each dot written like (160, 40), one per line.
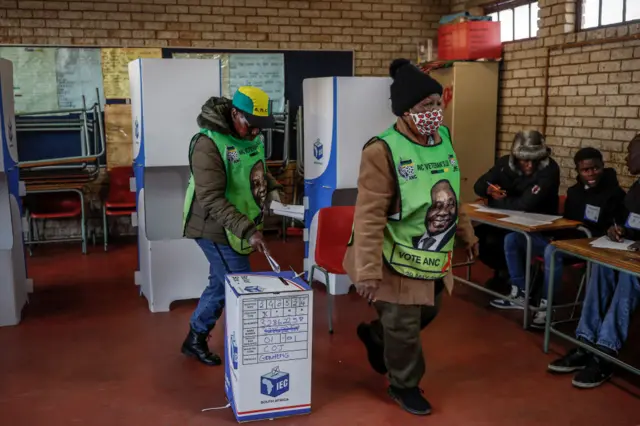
(216, 115)
(529, 145)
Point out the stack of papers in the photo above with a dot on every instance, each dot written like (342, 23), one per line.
(525, 221)
(288, 210)
(519, 217)
(606, 243)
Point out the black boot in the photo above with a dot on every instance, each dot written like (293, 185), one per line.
(375, 351)
(411, 400)
(195, 346)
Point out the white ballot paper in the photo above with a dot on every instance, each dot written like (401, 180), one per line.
(605, 242)
(289, 210)
(274, 265)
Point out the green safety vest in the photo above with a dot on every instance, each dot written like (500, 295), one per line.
(419, 239)
(245, 166)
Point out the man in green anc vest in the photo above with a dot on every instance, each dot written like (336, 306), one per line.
(227, 193)
(406, 221)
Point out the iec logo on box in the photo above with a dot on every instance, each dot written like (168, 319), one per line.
(318, 150)
(274, 383)
(234, 351)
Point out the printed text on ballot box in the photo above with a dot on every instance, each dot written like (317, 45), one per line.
(275, 329)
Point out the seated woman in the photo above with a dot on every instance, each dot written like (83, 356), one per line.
(527, 180)
(596, 199)
(605, 324)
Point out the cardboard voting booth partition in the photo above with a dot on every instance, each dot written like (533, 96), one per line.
(268, 336)
(13, 275)
(335, 132)
(166, 97)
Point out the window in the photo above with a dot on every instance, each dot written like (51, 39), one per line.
(595, 13)
(518, 18)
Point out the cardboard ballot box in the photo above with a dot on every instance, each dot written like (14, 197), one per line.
(269, 323)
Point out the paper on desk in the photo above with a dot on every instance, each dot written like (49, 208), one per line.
(517, 213)
(605, 242)
(288, 210)
(525, 221)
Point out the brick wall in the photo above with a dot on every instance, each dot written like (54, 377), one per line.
(594, 90)
(377, 30)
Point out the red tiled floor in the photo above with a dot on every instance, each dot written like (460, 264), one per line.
(89, 352)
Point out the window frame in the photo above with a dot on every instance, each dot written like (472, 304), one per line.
(503, 5)
(580, 16)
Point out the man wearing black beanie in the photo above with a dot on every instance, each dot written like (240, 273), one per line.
(406, 220)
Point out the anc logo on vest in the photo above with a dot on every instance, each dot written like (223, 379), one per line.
(453, 162)
(406, 169)
(232, 154)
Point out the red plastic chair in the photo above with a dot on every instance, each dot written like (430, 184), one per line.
(335, 225)
(51, 206)
(120, 200)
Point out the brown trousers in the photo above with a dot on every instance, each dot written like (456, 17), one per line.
(398, 330)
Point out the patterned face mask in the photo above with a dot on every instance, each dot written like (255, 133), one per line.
(428, 122)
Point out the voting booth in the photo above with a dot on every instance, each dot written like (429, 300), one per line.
(166, 97)
(13, 280)
(268, 336)
(341, 114)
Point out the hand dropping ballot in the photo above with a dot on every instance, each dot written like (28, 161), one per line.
(269, 319)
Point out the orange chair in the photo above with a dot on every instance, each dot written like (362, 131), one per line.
(120, 200)
(335, 225)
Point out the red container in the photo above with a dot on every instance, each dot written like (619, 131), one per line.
(469, 40)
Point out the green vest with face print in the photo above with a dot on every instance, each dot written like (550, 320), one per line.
(419, 239)
(245, 167)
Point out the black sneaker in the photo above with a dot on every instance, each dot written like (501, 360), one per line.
(375, 351)
(594, 374)
(576, 359)
(411, 400)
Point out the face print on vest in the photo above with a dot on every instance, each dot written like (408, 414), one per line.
(440, 218)
(258, 181)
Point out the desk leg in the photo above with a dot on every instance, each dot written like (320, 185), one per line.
(547, 326)
(527, 281)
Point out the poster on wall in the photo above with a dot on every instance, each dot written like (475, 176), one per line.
(263, 70)
(34, 78)
(79, 72)
(115, 68)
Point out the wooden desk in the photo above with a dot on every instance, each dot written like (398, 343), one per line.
(492, 219)
(628, 261)
(623, 261)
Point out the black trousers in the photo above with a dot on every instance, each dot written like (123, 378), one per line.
(398, 329)
(491, 246)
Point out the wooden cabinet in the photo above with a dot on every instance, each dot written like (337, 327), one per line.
(470, 101)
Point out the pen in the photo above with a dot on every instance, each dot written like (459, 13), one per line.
(495, 187)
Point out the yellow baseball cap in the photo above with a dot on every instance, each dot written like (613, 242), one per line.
(255, 105)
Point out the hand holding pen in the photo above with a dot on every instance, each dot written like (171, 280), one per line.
(496, 192)
(615, 233)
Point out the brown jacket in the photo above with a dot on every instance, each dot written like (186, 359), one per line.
(377, 196)
(211, 212)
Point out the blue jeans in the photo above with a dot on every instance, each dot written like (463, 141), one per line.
(608, 307)
(222, 260)
(515, 252)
